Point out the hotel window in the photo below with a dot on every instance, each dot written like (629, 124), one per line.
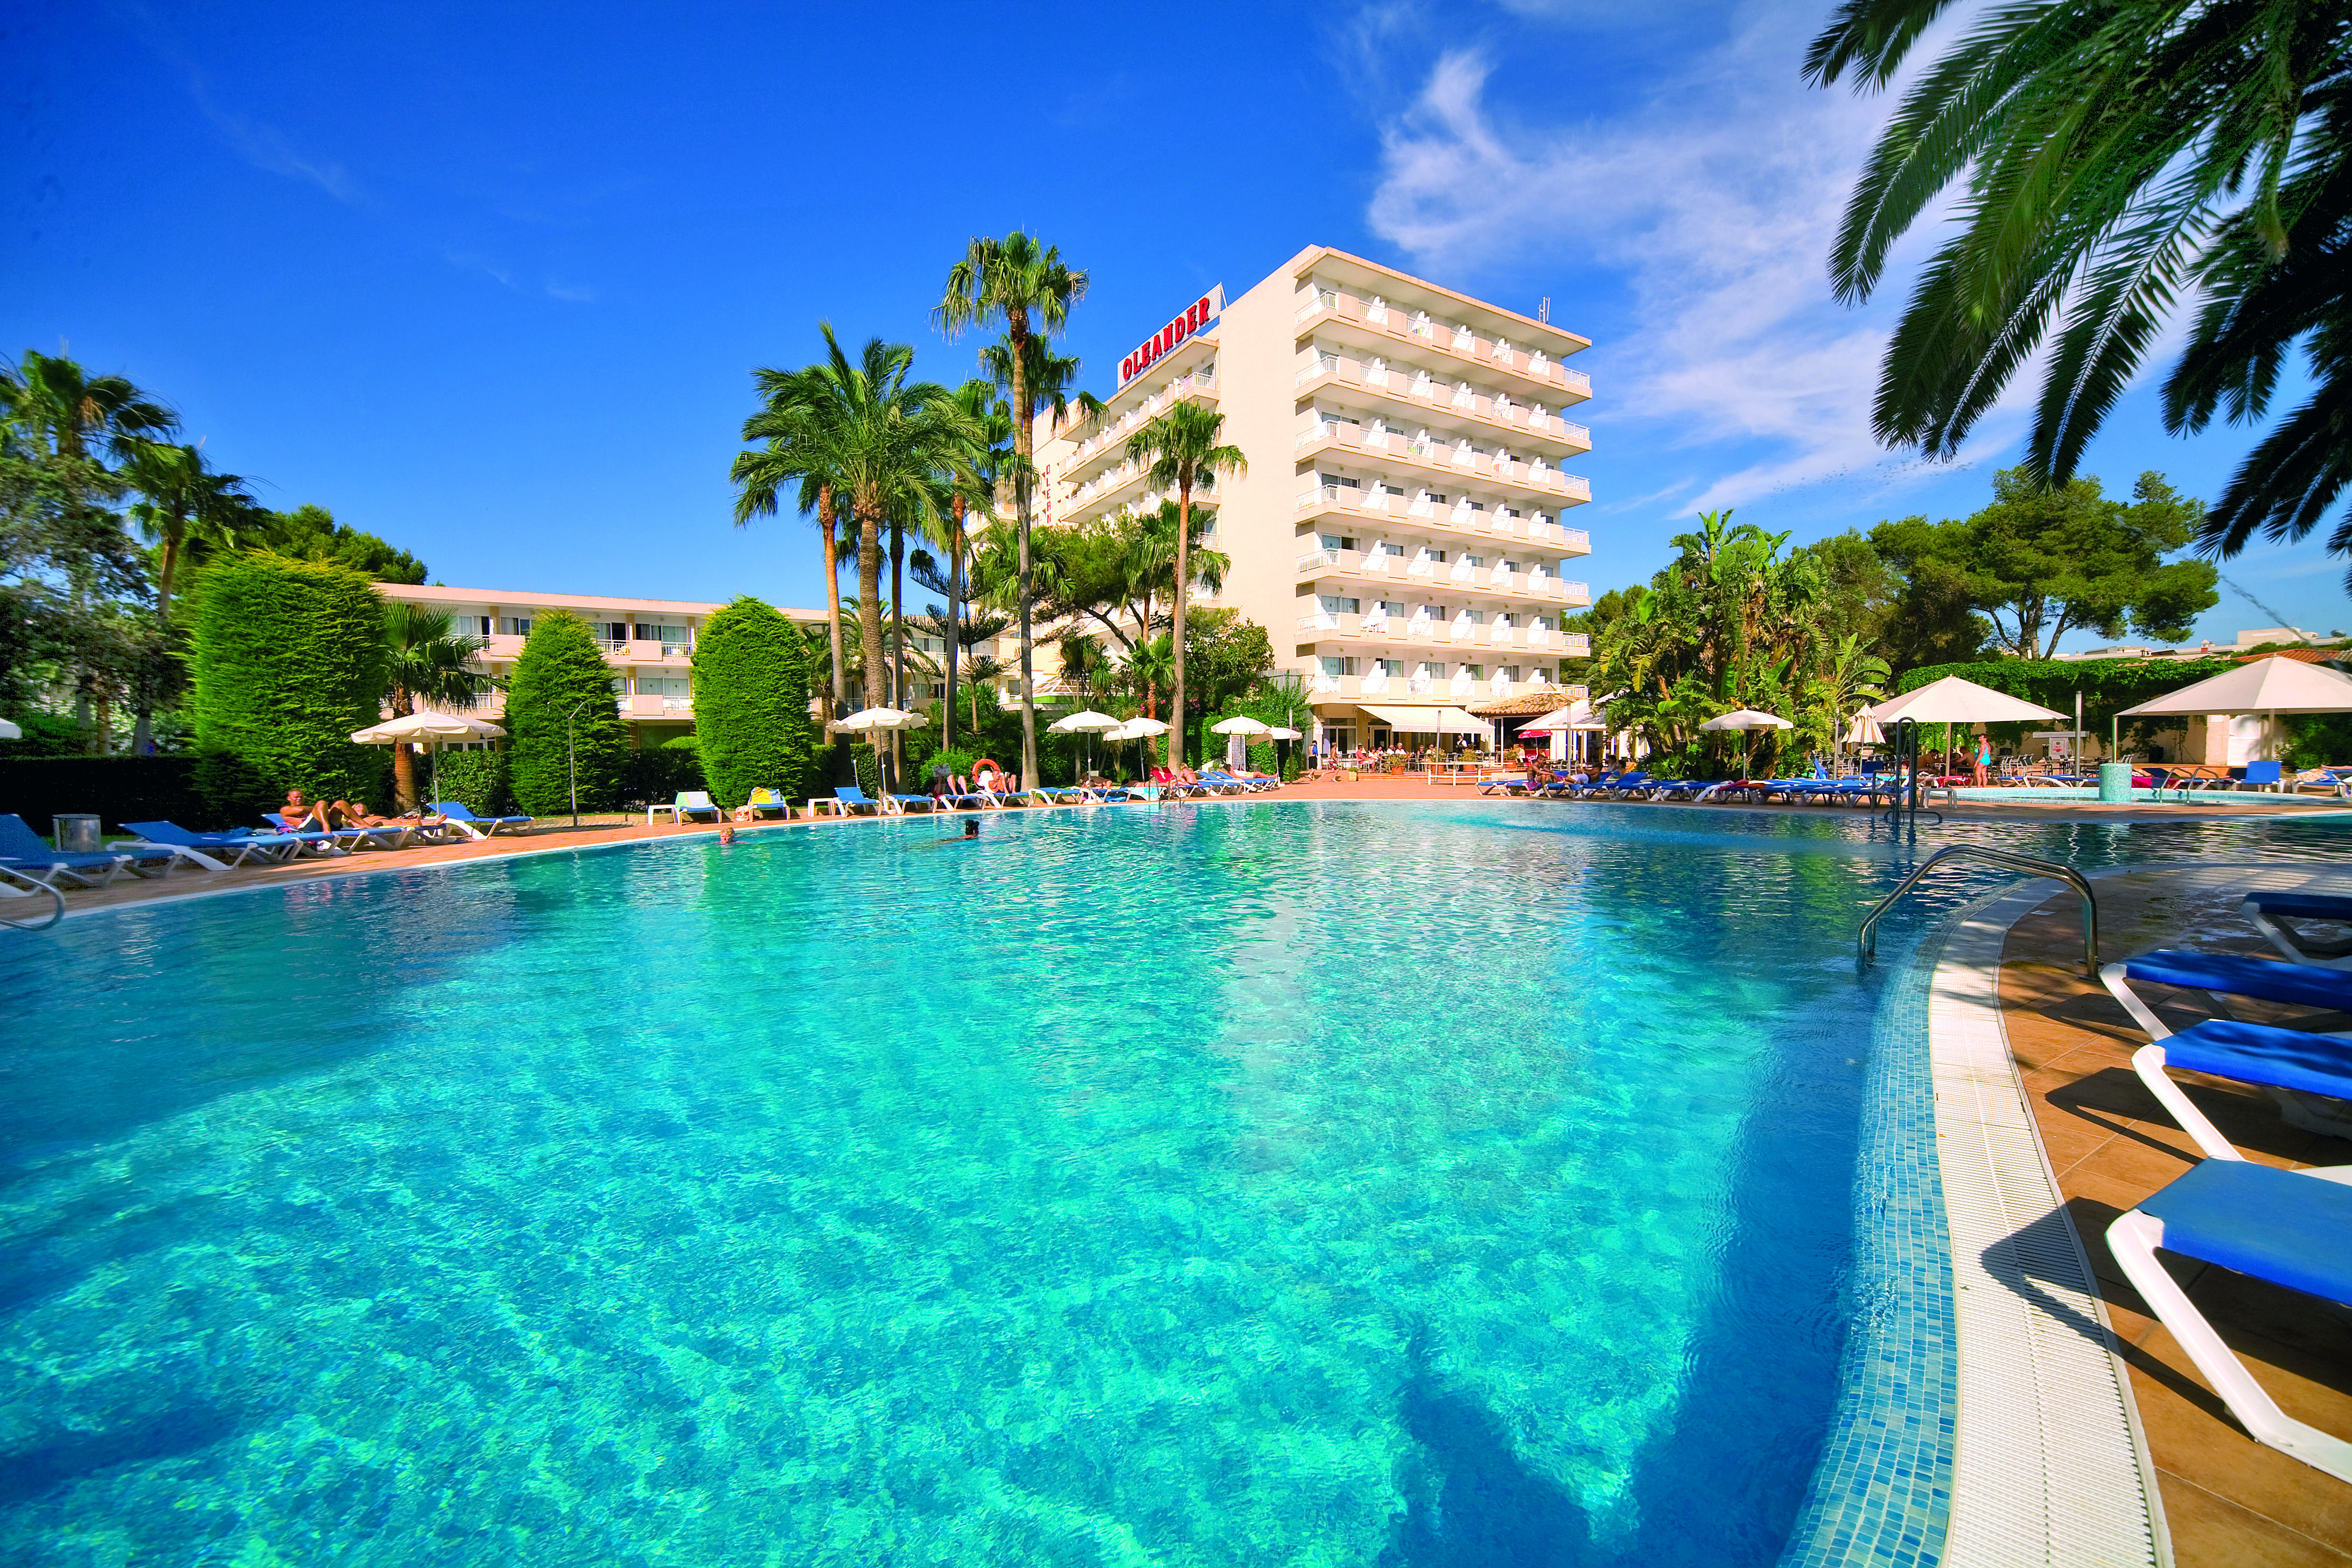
(514, 625)
(610, 631)
(1336, 540)
(1474, 561)
(1438, 556)
(1506, 567)
(470, 625)
(1336, 665)
(1510, 511)
(664, 686)
(1434, 670)
(1386, 608)
(1503, 618)
(1476, 618)
(1339, 605)
(1340, 481)
(660, 633)
(1474, 671)
(1539, 623)
(1388, 666)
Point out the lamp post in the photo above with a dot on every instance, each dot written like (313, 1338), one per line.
(571, 758)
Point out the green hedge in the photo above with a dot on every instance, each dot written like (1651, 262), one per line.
(560, 671)
(289, 661)
(661, 774)
(119, 789)
(476, 779)
(751, 703)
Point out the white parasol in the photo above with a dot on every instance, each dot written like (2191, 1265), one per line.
(435, 730)
(2270, 686)
(1952, 700)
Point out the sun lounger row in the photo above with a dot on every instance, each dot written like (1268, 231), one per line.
(2289, 1227)
(162, 847)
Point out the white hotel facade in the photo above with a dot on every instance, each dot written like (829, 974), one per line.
(1400, 532)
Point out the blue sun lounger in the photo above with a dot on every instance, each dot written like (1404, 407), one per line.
(455, 812)
(2271, 911)
(26, 855)
(220, 851)
(2278, 1225)
(2281, 1062)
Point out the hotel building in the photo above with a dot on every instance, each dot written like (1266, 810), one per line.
(1399, 531)
(649, 643)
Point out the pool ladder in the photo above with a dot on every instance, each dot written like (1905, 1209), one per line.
(1867, 937)
(8, 888)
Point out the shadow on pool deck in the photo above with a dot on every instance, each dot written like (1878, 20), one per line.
(2227, 1499)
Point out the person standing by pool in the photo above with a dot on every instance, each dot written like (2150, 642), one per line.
(1984, 758)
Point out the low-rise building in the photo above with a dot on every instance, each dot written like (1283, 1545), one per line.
(649, 643)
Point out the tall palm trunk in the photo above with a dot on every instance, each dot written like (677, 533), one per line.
(1023, 441)
(898, 629)
(955, 623)
(869, 602)
(142, 723)
(824, 516)
(404, 760)
(1183, 585)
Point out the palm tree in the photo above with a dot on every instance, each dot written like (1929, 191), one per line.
(793, 456)
(1015, 279)
(882, 438)
(977, 472)
(427, 661)
(66, 409)
(185, 501)
(2114, 155)
(1181, 450)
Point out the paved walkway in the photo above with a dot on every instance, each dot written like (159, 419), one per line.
(2227, 1499)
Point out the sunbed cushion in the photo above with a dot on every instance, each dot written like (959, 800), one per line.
(2308, 906)
(2305, 983)
(2280, 1226)
(2259, 1053)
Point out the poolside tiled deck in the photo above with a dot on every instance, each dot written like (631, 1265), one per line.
(2227, 1499)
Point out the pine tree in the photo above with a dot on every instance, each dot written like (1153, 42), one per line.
(560, 674)
(751, 703)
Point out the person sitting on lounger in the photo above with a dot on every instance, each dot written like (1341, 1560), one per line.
(300, 815)
(987, 776)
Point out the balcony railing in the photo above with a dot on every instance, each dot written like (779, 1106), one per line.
(1497, 410)
(1452, 338)
(1454, 463)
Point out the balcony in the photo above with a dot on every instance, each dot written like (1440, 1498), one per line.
(1460, 579)
(657, 707)
(1405, 516)
(1390, 329)
(1451, 690)
(1393, 452)
(1100, 448)
(1424, 397)
(1106, 493)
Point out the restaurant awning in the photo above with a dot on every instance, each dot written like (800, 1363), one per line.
(1429, 720)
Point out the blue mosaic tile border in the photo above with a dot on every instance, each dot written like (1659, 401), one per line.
(1883, 1494)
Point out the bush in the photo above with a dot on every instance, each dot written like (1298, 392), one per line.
(560, 671)
(289, 661)
(118, 789)
(475, 779)
(751, 703)
(660, 774)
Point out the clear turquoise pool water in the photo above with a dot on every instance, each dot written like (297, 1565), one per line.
(1276, 1183)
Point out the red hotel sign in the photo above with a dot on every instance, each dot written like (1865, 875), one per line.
(1202, 311)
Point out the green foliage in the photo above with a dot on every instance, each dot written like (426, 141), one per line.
(44, 735)
(751, 703)
(651, 776)
(2053, 562)
(312, 533)
(561, 672)
(477, 778)
(289, 661)
(119, 789)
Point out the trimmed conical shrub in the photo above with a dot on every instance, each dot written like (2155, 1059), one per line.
(289, 661)
(561, 673)
(751, 703)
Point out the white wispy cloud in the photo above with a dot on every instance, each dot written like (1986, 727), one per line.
(269, 150)
(1716, 199)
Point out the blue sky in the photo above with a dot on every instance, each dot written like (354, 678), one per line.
(489, 281)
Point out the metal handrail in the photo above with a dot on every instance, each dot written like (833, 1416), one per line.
(1868, 938)
(11, 890)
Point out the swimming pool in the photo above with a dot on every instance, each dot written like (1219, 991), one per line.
(1266, 1183)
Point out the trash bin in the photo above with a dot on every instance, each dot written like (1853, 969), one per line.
(77, 834)
(2114, 783)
